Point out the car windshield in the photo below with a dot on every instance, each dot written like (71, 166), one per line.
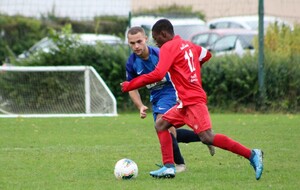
(247, 41)
(229, 42)
(253, 24)
(45, 44)
(224, 44)
(185, 31)
(201, 39)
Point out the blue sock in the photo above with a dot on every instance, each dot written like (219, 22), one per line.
(187, 136)
(178, 159)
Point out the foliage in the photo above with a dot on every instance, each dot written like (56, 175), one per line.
(230, 82)
(282, 85)
(281, 41)
(282, 56)
(108, 61)
(17, 34)
(100, 24)
(16, 92)
(172, 11)
(111, 25)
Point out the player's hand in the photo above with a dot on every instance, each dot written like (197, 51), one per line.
(124, 86)
(143, 112)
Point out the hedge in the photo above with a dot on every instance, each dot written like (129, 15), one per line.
(230, 82)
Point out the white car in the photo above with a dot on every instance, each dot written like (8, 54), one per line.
(246, 22)
(46, 44)
(184, 27)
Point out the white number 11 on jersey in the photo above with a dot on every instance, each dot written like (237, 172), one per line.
(190, 58)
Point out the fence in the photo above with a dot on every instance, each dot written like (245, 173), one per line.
(87, 9)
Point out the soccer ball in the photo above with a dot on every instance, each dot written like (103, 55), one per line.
(126, 169)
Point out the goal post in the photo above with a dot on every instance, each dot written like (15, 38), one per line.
(54, 91)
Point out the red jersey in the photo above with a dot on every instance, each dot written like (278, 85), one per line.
(183, 60)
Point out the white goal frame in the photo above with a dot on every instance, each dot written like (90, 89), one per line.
(85, 69)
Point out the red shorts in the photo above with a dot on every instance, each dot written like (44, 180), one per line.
(195, 116)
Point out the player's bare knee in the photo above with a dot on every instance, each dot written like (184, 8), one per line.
(206, 137)
(161, 125)
(158, 128)
(205, 141)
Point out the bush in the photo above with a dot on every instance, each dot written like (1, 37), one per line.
(109, 61)
(231, 82)
(18, 34)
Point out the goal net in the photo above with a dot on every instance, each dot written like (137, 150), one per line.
(54, 91)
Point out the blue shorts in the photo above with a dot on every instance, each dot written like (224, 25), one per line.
(162, 105)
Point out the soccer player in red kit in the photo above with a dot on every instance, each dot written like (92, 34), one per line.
(183, 60)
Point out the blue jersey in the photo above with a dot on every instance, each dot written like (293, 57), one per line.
(162, 91)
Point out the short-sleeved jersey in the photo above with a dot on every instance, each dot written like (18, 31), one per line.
(136, 66)
(183, 60)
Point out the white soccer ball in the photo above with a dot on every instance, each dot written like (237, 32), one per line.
(126, 169)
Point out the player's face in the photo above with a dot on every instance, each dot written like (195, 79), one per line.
(159, 38)
(137, 43)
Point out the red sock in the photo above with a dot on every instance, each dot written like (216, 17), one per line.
(227, 143)
(166, 147)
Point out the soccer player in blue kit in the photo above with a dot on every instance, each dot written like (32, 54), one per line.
(143, 60)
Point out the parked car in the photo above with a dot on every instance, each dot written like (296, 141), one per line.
(246, 22)
(46, 44)
(206, 38)
(184, 27)
(237, 44)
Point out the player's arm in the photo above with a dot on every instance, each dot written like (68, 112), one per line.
(204, 55)
(136, 98)
(156, 75)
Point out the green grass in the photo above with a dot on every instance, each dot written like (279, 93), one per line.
(80, 153)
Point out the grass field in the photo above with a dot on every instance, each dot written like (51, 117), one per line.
(80, 153)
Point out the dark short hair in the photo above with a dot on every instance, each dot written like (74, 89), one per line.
(136, 29)
(163, 25)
